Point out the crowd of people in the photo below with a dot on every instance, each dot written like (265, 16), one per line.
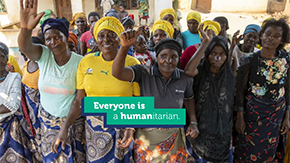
(236, 90)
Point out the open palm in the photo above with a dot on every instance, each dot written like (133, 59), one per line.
(28, 14)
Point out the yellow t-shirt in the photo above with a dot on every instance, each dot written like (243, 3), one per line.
(14, 63)
(30, 79)
(94, 75)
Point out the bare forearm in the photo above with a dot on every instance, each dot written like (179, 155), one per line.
(190, 109)
(195, 59)
(3, 109)
(73, 114)
(240, 115)
(118, 68)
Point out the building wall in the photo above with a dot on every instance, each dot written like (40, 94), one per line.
(255, 6)
(204, 5)
(160, 5)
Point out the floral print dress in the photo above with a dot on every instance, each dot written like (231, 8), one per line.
(263, 95)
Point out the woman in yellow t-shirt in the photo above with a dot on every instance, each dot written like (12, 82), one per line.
(94, 78)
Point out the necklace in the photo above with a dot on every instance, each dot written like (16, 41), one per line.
(2, 78)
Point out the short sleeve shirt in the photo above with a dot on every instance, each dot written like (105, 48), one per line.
(167, 94)
(57, 84)
(94, 75)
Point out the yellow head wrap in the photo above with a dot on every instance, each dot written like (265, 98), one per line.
(213, 25)
(78, 15)
(109, 23)
(168, 11)
(194, 15)
(165, 26)
(265, 21)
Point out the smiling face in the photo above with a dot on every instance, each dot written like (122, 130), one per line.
(159, 35)
(192, 26)
(169, 18)
(167, 60)
(3, 61)
(217, 57)
(81, 24)
(108, 41)
(56, 41)
(272, 37)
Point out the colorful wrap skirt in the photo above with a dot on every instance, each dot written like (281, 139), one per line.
(101, 143)
(74, 149)
(262, 133)
(14, 144)
(160, 145)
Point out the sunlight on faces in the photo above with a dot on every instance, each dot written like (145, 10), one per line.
(140, 45)
(81, 24)
(272, 37)
(108, 41)
(192, 26)
(217, 56)
(55, 40)
(251, 39)
(167, 60)
(93, 19)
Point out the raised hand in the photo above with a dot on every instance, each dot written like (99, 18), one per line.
(28, 14)
(236, 38)
(207, 34)
(61, 137)
(129, 37)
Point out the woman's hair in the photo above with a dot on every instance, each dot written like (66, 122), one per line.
(278, 23)
(123, 5)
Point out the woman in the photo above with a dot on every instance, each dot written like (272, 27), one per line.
(251, 38)
(56, 84)
(94, 78)
(262, 98)
(190, 51)
(161, 29)
(80, 21)
(166, 77)
(14, 145)
(214, 95)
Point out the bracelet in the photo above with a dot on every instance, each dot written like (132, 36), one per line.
(194, 123)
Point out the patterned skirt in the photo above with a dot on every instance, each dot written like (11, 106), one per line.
(287, 152)
(101, 143)
(262, 134)
(14, 144)
(74, 149)
(156, 145)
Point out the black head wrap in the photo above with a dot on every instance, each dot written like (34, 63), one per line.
(214, 96)
(54, 24)
(168, 43)
(127, 20)
(4, 49)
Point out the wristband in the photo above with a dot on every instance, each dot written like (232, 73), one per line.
(194, 123)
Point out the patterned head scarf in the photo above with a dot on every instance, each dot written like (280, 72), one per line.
(76, 16)
(4, 49)
(109, 23)
(73, 38)
(54, 24)
(168, 11)
(194, 15)
(165, 26)
(213, 25)
(252, 28)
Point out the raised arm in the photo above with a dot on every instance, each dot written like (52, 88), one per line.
(190, 68)
(233, 59)
(28, 21)
(119, 70)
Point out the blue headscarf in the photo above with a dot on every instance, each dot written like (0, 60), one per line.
(57, 24)
(252, 28)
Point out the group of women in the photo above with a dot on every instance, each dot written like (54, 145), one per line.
(40, 119)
